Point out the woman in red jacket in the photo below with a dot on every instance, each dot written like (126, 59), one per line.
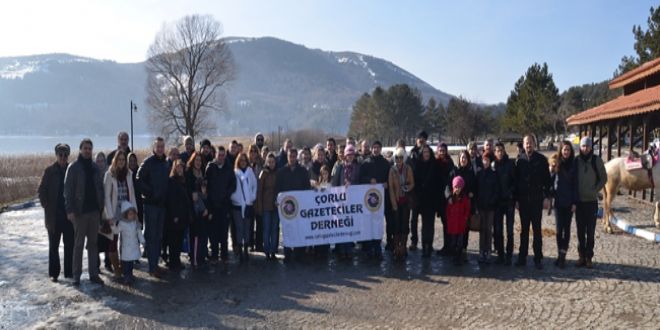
(458, 212)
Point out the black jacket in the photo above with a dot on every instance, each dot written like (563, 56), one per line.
(289, 179)
(152, 179)
(282, 159)
(532, 178)
(51, 195)
(427, 184)
(76, 187)
(504, 170)
(488, 190)
(112, 154)
(564, 187)
(375, 167)
(179, 205)
(221, 183)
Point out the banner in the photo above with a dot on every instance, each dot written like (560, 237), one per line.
(334, 215)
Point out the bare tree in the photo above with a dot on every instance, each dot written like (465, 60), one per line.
(187, 68)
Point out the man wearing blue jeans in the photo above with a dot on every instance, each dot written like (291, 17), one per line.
(152, 179)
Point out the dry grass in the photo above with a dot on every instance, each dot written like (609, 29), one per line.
(20, 176)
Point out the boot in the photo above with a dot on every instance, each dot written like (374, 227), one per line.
(246, 252)
(116, 265)
(426, 251)
(588, 263)
(561, 261)
(581, 261)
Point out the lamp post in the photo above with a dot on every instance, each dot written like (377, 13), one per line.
(133, 109)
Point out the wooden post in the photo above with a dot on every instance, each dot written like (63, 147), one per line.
(618, 140)
(609, 142)
(645, 142)
(632, 148)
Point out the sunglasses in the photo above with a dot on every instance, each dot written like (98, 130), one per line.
(62, 154)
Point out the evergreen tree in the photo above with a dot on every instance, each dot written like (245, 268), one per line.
(647, 44)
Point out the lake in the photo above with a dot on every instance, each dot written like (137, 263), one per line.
(21, 145)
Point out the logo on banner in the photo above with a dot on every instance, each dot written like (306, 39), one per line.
(373, 199)
(289, 207)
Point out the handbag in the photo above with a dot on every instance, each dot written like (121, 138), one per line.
(474, 223)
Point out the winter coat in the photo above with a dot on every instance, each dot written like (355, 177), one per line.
(112, 154)
(375, 167)
(564, 186)
(152, 179)
(179, 206)
(111, 195)
(51, 194)
(266, 197)
(246, 189)
(458, 213)
(488, 190)
(504, 169)
(427, 184)
(394, 183)
(289, 179)
(589, 184)
(221, 183)
(338, 176)
(533, 180)
(75, 186)
(282, 159)
(130, 238)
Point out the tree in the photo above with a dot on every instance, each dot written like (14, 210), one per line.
(647, 43)
(468, 120)
(187, 68)
(532, 105)
(435, 117)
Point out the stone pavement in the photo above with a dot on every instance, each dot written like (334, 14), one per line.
(622, 291)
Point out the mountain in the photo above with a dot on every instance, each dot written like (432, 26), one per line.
(278, 84)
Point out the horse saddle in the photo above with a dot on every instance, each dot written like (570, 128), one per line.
(643, 162)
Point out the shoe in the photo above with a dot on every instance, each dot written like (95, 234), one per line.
(96, 280)
(538, 265)
(76, 282)
(53, 279)
(464, 255)
(561, 261)
(588, 263)
(413, 247)
(521, 262)
(581, 262)
(155, 274)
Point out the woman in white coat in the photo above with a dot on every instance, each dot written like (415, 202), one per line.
(242, 203)
(118, 186)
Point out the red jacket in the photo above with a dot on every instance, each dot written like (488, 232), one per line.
(458, 213)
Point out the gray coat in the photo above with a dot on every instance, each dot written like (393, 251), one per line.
(74, 187)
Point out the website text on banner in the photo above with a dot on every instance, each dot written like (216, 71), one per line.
(333, 215)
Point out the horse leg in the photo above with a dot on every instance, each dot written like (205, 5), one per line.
(656, 214)
(607, 207)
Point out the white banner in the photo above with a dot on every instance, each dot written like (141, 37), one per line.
(334, 215)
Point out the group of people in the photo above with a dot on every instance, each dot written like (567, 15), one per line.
(191, 201)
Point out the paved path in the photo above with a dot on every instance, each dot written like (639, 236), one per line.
(622, 291)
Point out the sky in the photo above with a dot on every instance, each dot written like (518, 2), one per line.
(477, 49)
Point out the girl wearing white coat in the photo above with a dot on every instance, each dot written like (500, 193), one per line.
(131, 238)
(118, 186)
(242, 201)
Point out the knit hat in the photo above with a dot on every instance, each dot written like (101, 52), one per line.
(62, 147)
(349, 150)
(126, 206)
(586, 141)
(423, 135)
(458, 182)
(205, 142)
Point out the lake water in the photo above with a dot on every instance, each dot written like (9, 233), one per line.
(20, 145)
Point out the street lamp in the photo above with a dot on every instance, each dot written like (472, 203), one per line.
(133, 109)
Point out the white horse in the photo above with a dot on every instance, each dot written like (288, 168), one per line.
(619, 176)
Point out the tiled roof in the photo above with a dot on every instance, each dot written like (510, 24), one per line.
(646, 100)
(636, 74)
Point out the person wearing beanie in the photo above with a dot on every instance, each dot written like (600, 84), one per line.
(465, 170)
(259, 141)
(344, 174)
(401, 184)
(591, 178)
(130, 238)
(51, 196)
(457, 213)
(488, 192)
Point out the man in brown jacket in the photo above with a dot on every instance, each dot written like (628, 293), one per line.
(51, 196)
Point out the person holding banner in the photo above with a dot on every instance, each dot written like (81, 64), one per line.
(427, 185)
(346, 173)
(375, 170)
(292, 177)
(400, 182)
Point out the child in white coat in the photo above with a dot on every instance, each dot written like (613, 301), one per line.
(130, 239)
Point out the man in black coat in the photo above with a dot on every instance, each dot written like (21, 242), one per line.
(376, 170)
(504, 168)
(122, 144)
(152, 180)
(84, 201)
(292, 177)
(413, 158)
(221, 183)
(51, 196)
(531, 192)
